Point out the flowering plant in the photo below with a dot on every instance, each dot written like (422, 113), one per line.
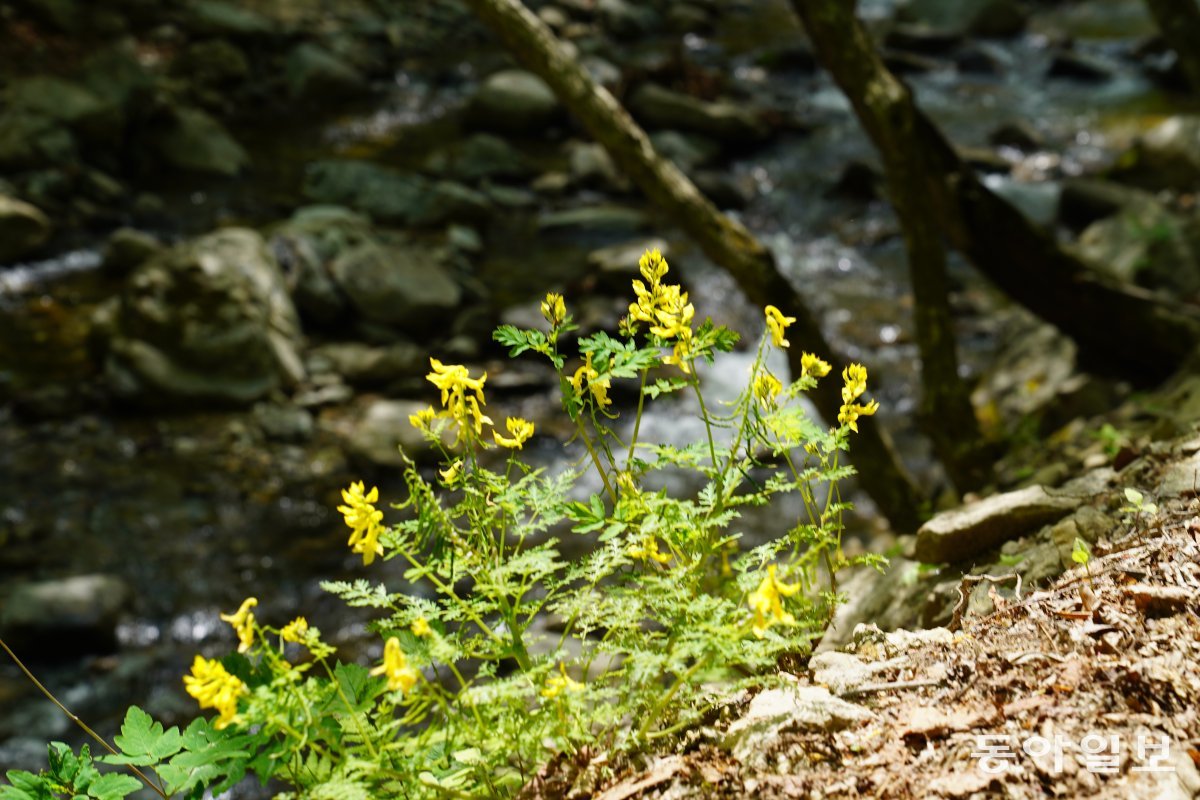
(514, 651)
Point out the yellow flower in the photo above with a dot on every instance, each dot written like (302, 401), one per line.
(400, 675)
(766, 604)
(855, 377)
(295, 631)
(363, 519)
(554, 309)
(777, 323)
(450, 474)
(597, 385)
(420, 627)
(422, 419)
(521, 430)
(648, 551)
(557, 684)
(242, 621)
(455, 382)
(213, 687)
(850, 412)
(766, 388)
(811, 365)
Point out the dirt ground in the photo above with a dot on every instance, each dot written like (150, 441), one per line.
(1087, 688)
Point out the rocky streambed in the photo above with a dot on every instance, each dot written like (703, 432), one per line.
(232, 234)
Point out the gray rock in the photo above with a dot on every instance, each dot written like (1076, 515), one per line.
(842, 673)
(1146, 244)
(219, 18)
(207, 322)
(958, 535)
(306, 245)
(591, 165)
(1165, 157)
(976, 17)
(1086, 200)
(688, 151)
(70, 104)
(284, 423)
(194, 141)
(127, 249)
(30, 140)
(727, 122)
(1181, 478)
(363, 365)
(1088, 523)
(398, 285)
(623, 18)
(23, 228)
(391, 196)
(65, 617)
(773, 712)
(514, 101)
(619, 262)
(313, 73)
(375, 431)
(212, 64)
(482, 156)
(1080, 67)
(595, 219)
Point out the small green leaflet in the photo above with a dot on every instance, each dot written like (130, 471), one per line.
(143, 741)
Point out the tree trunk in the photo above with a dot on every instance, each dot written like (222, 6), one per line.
(1118, 328)
(1179, 22)
(725, 241)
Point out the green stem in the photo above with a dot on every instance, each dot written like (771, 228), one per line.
(652, 716)
(346, 702)
(587, 441)
(712, 447)
(637, 421)
(141, 775)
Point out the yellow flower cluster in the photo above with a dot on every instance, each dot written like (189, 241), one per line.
(455, 383)
(420, 627)
(855, 377)
(213, 687)
(648, 551)
(766, 388)
(766, 604)
(364, 520)
(519, 429)
(295, 631)
(596, 385)
(562, 682)
(242, 621)
(810, 365)
(665, 307)
(777, 323)
(400, 676)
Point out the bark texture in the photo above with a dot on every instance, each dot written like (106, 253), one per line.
(1119, 329)
(1179, 22)
(725, 241)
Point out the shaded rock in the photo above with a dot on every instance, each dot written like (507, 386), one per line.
(1086, 200)
(129, 248)
(1079, 66)
(1148, 245)
(363, 365)
(66, 617)
(687, 150)
(624, 18)
(591, 165)
(478, 157)
(957, 535)
(725, 121)
(392, 196)
(726, 191)
(773, 712)
(375, 431)
(1018, 134)
(920, 38)
(207, 322)
(1088, 523)
(980, 59)
(514, 101)
(975, 17)
(70, 104)
(31, 140)
(1037, 200)
(399, 285)
(1181, 478)
(858, 181)
(194, 141)
(306, 245)
(212, 64)
(620, 261)
(842, 673)
(115, 74)
(313, 73)
(603, 219)
(284, 423)
(1165, 157)
(219, 18)
(905, 63)
(23, 228)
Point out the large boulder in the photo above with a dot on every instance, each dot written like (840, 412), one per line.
(193, 141)
(206, 322)
(514, 101)
(71, 104)
(727, 122)
(65, 617)
(313, 73)
(398, 285)
(29, 140)
(1165, 157)
(1145, 243)
(306, 245)
(23, 228)
(391, 196)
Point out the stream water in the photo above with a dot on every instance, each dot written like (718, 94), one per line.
(197, 511)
